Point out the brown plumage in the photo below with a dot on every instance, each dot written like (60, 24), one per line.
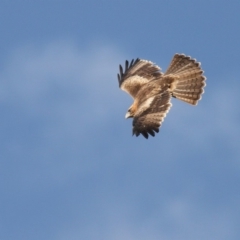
(152, 90)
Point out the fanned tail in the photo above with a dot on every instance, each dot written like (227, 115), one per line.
(189, 80)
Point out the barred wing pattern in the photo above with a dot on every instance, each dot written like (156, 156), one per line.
(152, 90)
(149, 121)
(136, 74)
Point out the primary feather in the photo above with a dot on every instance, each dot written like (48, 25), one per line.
(152, 90)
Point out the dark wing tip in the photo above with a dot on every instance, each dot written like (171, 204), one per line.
(122, 74)
(126, 65)
(121, 70)
(145, 133)
(134, 132)
(151, 132)
(131, 63)
(119, 79)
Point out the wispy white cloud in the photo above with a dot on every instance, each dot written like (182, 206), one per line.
(66, 93)
(69, 130)
(74, 96)
(178, 219)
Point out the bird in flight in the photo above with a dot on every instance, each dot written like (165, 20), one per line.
(152, 90)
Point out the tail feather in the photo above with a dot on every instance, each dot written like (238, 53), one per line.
(190, 81)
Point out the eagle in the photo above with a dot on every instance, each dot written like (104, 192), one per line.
(152, 90)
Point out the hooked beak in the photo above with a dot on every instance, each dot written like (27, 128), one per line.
(128, 115)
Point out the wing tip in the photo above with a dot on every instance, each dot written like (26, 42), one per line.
(127, 67)
(145, 133)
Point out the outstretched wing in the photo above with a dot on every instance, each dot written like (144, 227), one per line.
(149, 120)
(137, 73)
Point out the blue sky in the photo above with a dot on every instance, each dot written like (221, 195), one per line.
(69, 167)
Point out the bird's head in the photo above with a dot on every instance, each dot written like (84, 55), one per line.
(130, 113)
